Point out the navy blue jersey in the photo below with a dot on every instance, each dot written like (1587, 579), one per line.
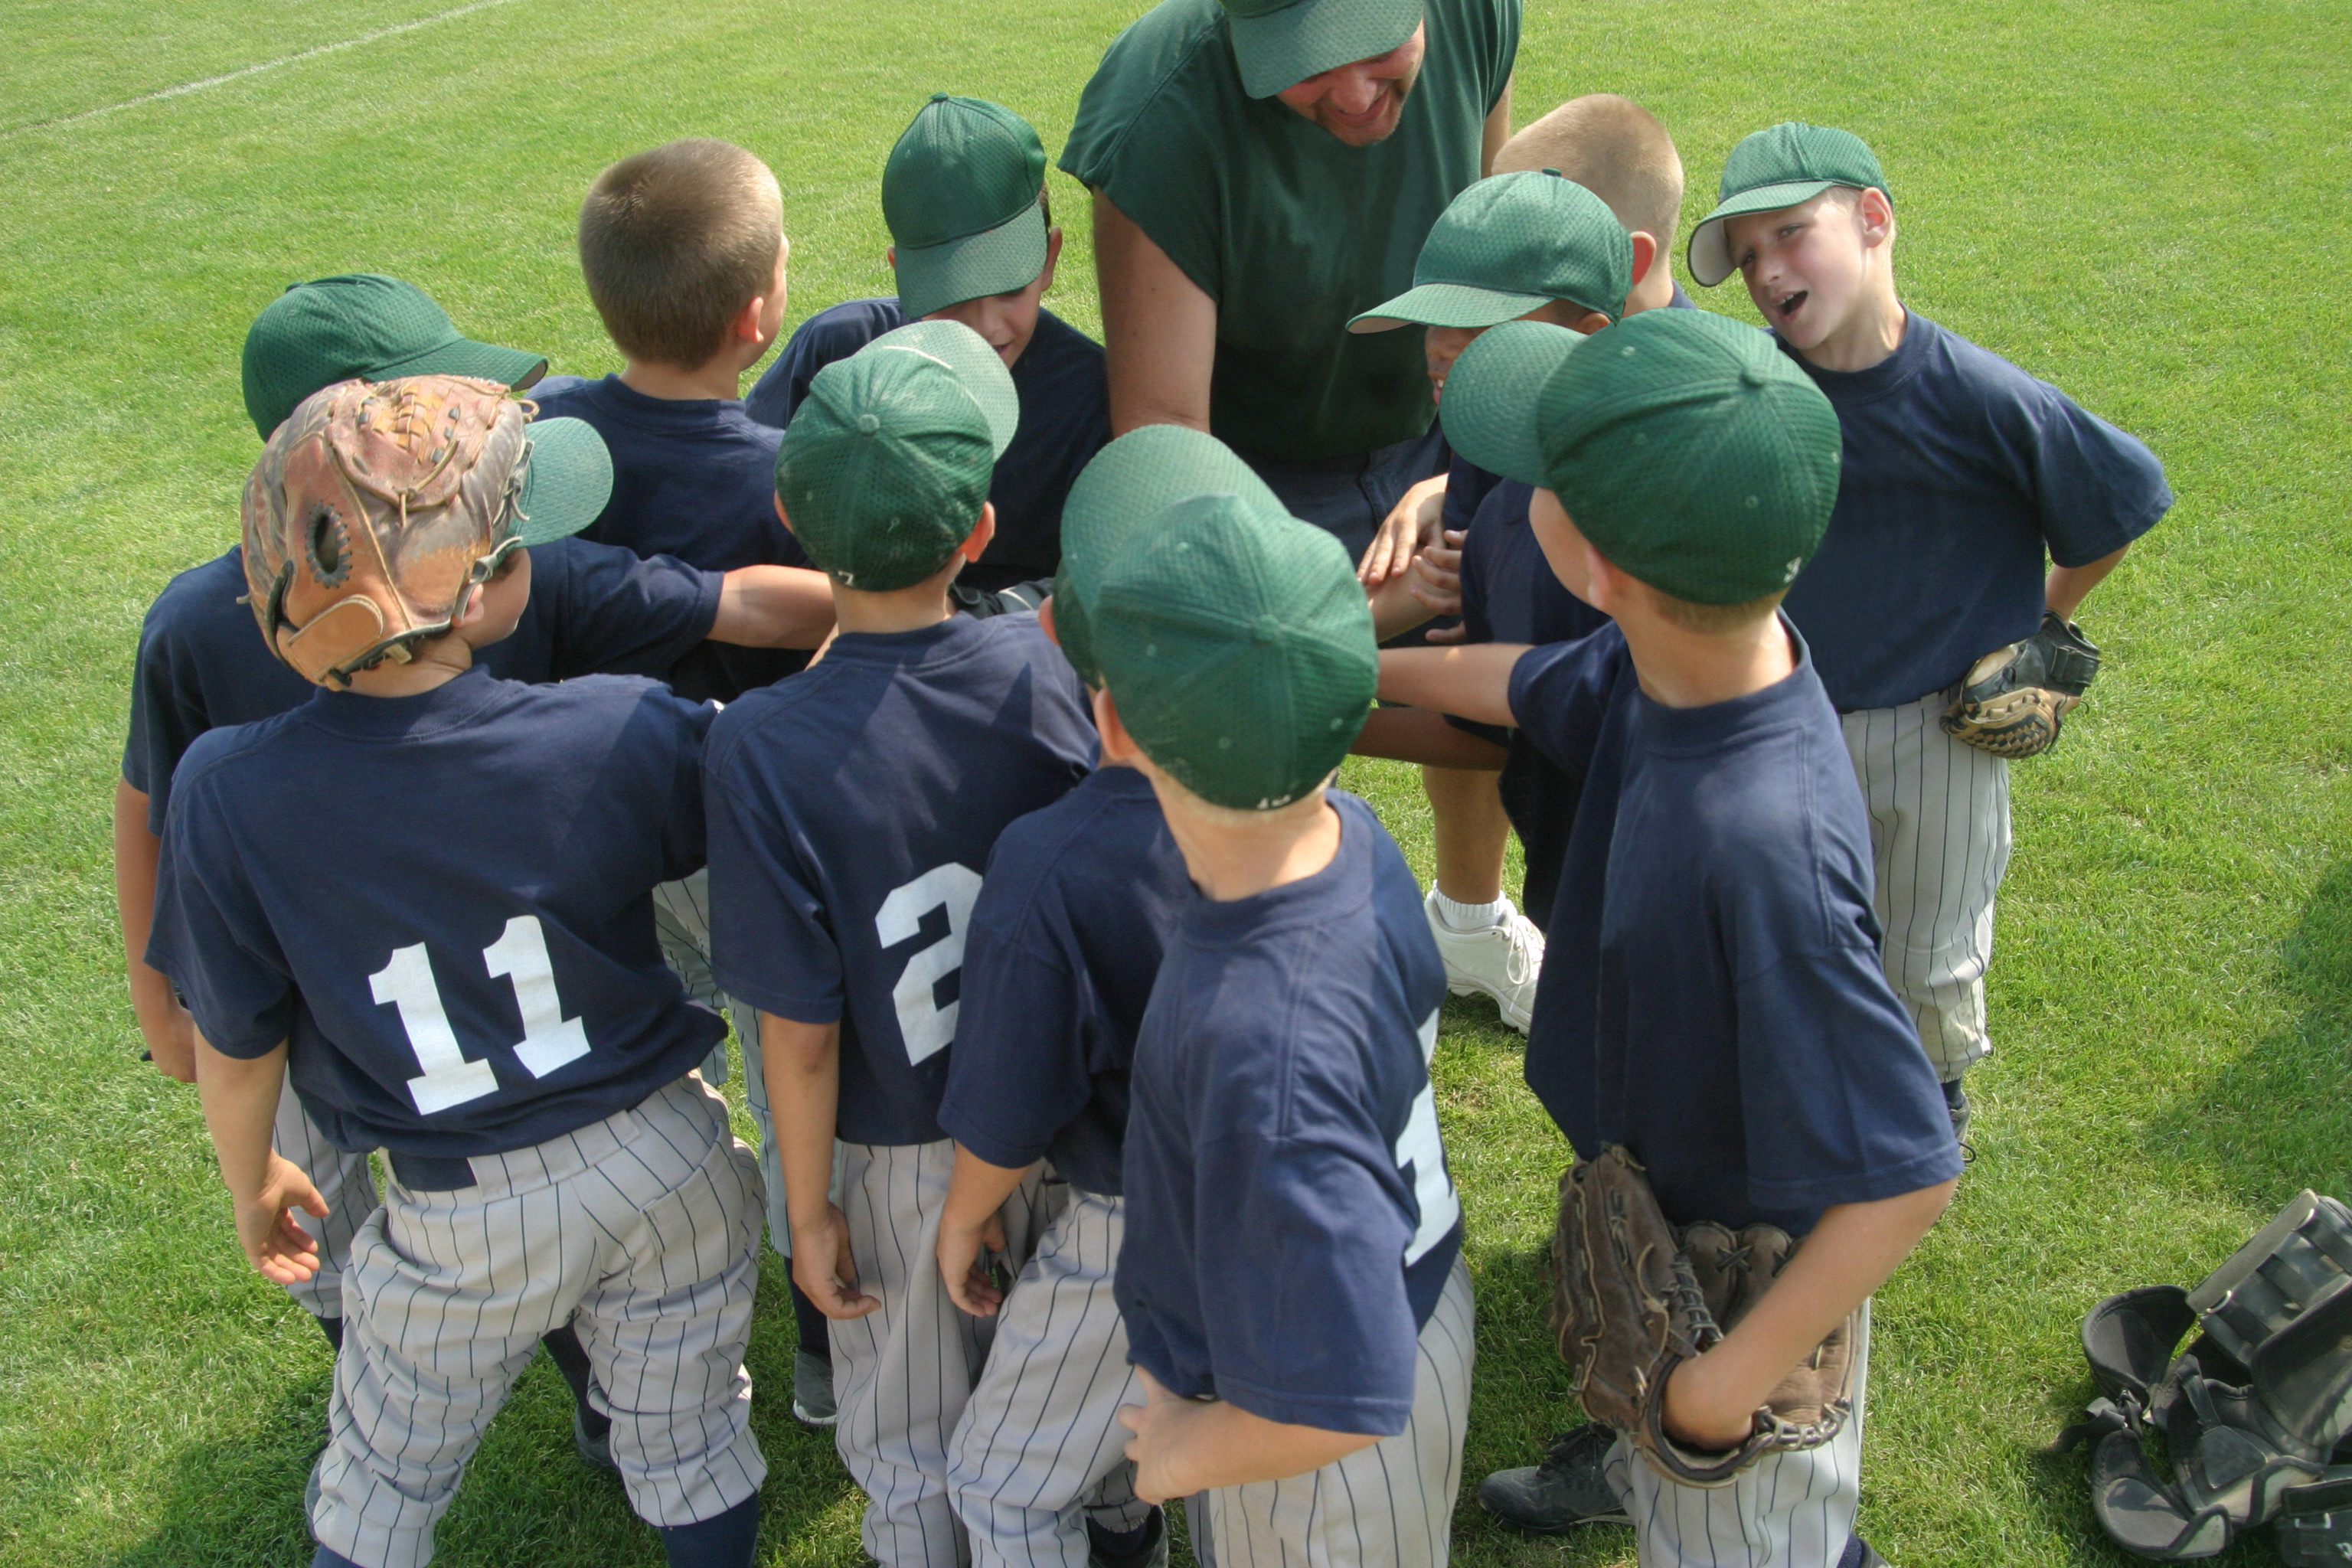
(693, 477)
(1712, 997)
(444, 902)
(202, 665)
(1064, 421)
(1066, 943)
(1290, 1218)
(1960, 469)
(852, 813)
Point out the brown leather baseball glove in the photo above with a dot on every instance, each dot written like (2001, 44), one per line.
(375, 507)
(2015, 698)
(1634, 1299)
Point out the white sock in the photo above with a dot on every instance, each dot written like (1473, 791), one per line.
(1466, 917)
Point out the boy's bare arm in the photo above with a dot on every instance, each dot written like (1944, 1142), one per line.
(1473, 680)
(970, 1222)
(170, 1033)
(803, 1065)
(1711, 1401)
(2070, 585)
(1159, 328)
(774, 606)
(1185, 1445)
(1418, 735)
(240, 1104)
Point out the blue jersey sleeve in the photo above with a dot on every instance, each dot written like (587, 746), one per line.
(1559, 694)
(210, 934)
(818, 342)
(620, 613)
(772, 939)
(1019, 1071)
(166, 716)
(2097, 487)
(1299, 1243)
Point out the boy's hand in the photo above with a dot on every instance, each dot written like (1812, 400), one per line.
(171, 1044)
(1410, 528)
(1436, 579)
(1702, 1414)
(278, 1247)
(968, 1284)
(1159, 1426)
(824, 1268)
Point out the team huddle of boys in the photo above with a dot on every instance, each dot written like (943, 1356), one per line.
(979, 765)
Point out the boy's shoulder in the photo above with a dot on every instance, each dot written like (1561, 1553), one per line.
(1096, 835)
(229, 753)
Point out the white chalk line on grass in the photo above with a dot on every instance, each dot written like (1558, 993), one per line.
(242, 72)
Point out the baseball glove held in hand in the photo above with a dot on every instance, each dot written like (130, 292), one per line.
(2014, 699)
(1633, 1300)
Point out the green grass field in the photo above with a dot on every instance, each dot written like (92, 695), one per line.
(2142, 201)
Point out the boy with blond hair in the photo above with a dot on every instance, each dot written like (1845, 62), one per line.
(1962, 473)
(1712, 1002)
(1297, 1305)
(853, 809)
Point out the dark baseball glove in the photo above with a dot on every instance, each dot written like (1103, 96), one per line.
(1634, 1299)
(2015, 698)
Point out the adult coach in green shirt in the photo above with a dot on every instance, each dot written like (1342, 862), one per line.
(1263, 170)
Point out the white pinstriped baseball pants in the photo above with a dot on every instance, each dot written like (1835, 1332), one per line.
(1940, 841)
(344, 1181)
(646, 1224)
(903, 1374)
(1788, 1510)
(1040, 1450)
(1388, 1505)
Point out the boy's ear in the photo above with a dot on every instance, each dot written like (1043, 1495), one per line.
(975, 543)
(782, 516)
(1045, 621)
(1053, 255)
(890, 255)
(1589, 322)
(1117, 745)
(1645, 252)
(1876, 216)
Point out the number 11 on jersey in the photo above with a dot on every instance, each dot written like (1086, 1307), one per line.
(449, 1078)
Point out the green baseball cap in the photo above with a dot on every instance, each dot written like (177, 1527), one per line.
(1508, 245)
(1281, 43)
(1239, 646)
(887, 460)
(363, 325)
(1791, 163)
(1686, 445)
(568, 480)
(1126, 487)
(960, 193)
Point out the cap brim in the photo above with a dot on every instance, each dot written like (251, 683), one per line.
(1447, 305)
(979, 368)
(1283, 48)
(994, 261)
(484, 362)
(1709, 254)
(571, 480)
(1491, 397)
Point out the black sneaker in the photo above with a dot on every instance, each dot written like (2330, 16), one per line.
(1858, 1554)
(1145, 1546)
(1955, 1101)
(596, 1446)
(1564, 1491)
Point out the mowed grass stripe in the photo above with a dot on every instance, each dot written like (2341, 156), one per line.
(2140, 202)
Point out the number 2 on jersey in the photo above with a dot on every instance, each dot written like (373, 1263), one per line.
(449, 1078)
(1421, 1147)
(923, 1024)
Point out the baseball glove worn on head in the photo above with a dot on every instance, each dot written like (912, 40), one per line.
(373, 510)
(2015, 698)
(1634, 1299)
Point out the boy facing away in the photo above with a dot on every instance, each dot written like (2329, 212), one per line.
(476, 991)
(1066, 937)
(973, 240)
(1297, 1305)
(853, 809)
(1712, 1000)
(1961, 471)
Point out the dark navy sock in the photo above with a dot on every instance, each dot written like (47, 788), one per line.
(815, 1338)
(333, 1328)
(570, 1358)
(725, 1541)
(324, 1558)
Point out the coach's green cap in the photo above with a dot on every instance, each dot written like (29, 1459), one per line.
(365, 326)
(887, 460)
(960, 194)
(1239, 648)
(1508, 245)
(1687, 446)
(1791, 163)
(1281, 43)
(1112, 505)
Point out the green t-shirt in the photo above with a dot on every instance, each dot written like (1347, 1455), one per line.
(1289, 229)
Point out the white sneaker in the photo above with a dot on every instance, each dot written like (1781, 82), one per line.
(1501, 962)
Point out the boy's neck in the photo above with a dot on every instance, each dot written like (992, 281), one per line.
(722, 379)
(1679, 668)
(900, 610)
(1869, 336)
(1230, 859)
